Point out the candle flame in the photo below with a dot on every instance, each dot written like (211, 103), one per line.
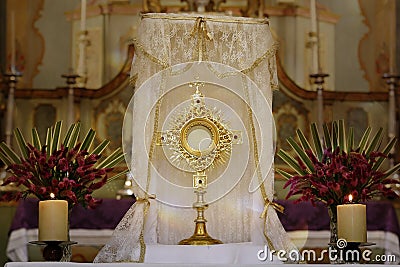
(52, 195)
(350, 198)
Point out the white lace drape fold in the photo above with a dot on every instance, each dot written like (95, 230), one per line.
(165, 40)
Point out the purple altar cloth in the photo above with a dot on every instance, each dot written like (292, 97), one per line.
(381, 216)
(105, 216)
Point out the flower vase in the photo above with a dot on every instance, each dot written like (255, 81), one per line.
(333, 248)
(67, 247)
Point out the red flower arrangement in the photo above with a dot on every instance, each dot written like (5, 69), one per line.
(68, 172)
(333, 170)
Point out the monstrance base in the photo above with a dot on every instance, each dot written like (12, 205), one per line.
(200, 240)
(200, 236)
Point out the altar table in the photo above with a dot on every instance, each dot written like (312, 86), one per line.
(87, 226)
(308, 226)
(71, 264)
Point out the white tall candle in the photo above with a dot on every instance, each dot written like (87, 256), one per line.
(314, 36)
(13, 49)
(53, 220)
(313, 15)
(352, 222)
(83, 15)
(392, 40)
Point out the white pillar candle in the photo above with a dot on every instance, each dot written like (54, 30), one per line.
(352, 222)
(53, 220)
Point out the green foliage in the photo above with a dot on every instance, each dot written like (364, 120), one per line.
(52, 143)
(336, 138)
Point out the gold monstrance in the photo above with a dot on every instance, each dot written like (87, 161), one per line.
(199, 138)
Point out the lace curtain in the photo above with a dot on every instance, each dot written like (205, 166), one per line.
(165, 40)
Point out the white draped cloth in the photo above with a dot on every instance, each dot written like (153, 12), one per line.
(247, 212)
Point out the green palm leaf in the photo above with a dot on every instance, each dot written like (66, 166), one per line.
(112, 178)
(391, 171)
(106, 163)
(350, 140)
(87, 142)
(327, 137)
(286, 175)
(373, 145)
(9, 153)
(56, 136)
(289, 160)
(386, 152)
(35, 139)
(74, 135)
(48, 141)
(342, 136)
(68, 135)
(6, 160)
(303, 141)
(335, 141)
(302, 154)
(114, 161)
(100, 148)
(364, 140)
(21, 143)
(317, 141)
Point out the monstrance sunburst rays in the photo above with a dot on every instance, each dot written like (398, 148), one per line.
(198, 114)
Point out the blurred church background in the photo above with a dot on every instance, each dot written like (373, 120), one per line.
(45, 44)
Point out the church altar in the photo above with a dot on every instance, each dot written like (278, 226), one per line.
(306, 225)
(200, 50)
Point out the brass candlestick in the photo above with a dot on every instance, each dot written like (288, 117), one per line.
(12, 79)
(392, 80)
(55, 250)
(319, 80)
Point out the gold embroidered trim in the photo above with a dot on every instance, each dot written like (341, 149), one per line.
(132, 80)
(269, 53)
(240, 20)
(200, 30)
(141, 236)
(162, 63)
(150, 157)
(256, 156)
